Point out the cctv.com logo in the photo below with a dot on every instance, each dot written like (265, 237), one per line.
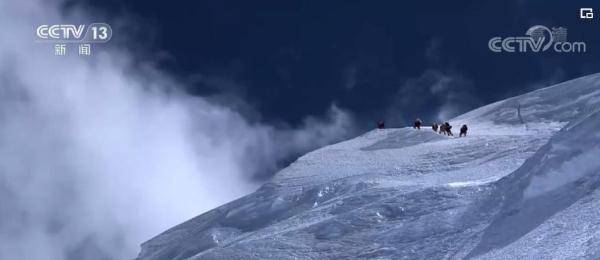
(538, 38)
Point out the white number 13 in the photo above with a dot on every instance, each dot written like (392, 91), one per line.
(99, 33)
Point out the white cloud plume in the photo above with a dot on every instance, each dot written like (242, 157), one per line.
(97, 155)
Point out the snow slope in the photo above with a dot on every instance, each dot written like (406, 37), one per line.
(524, 183)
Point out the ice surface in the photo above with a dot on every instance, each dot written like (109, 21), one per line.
(515, 187)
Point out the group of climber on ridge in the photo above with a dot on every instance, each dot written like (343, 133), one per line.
(444, 128)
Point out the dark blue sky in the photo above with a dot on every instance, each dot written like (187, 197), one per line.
(378, 59)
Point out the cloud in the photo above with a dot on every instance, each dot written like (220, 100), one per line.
(433, 96)
(433, 51)
(98, 154)
(349, 76)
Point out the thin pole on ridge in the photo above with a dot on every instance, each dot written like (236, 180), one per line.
(520, 117)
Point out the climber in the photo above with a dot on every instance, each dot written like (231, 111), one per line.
(463, 131)
(448, 128)
(442, 128)
(381, 124)
(434, 127)
(418, 123)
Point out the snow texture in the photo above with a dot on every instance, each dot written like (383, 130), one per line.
(523, 184)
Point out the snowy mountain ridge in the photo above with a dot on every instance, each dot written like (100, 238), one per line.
(524, 183)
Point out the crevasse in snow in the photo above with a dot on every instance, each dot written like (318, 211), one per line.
(524, 183)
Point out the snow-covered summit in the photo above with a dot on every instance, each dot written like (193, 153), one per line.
(524, 183)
